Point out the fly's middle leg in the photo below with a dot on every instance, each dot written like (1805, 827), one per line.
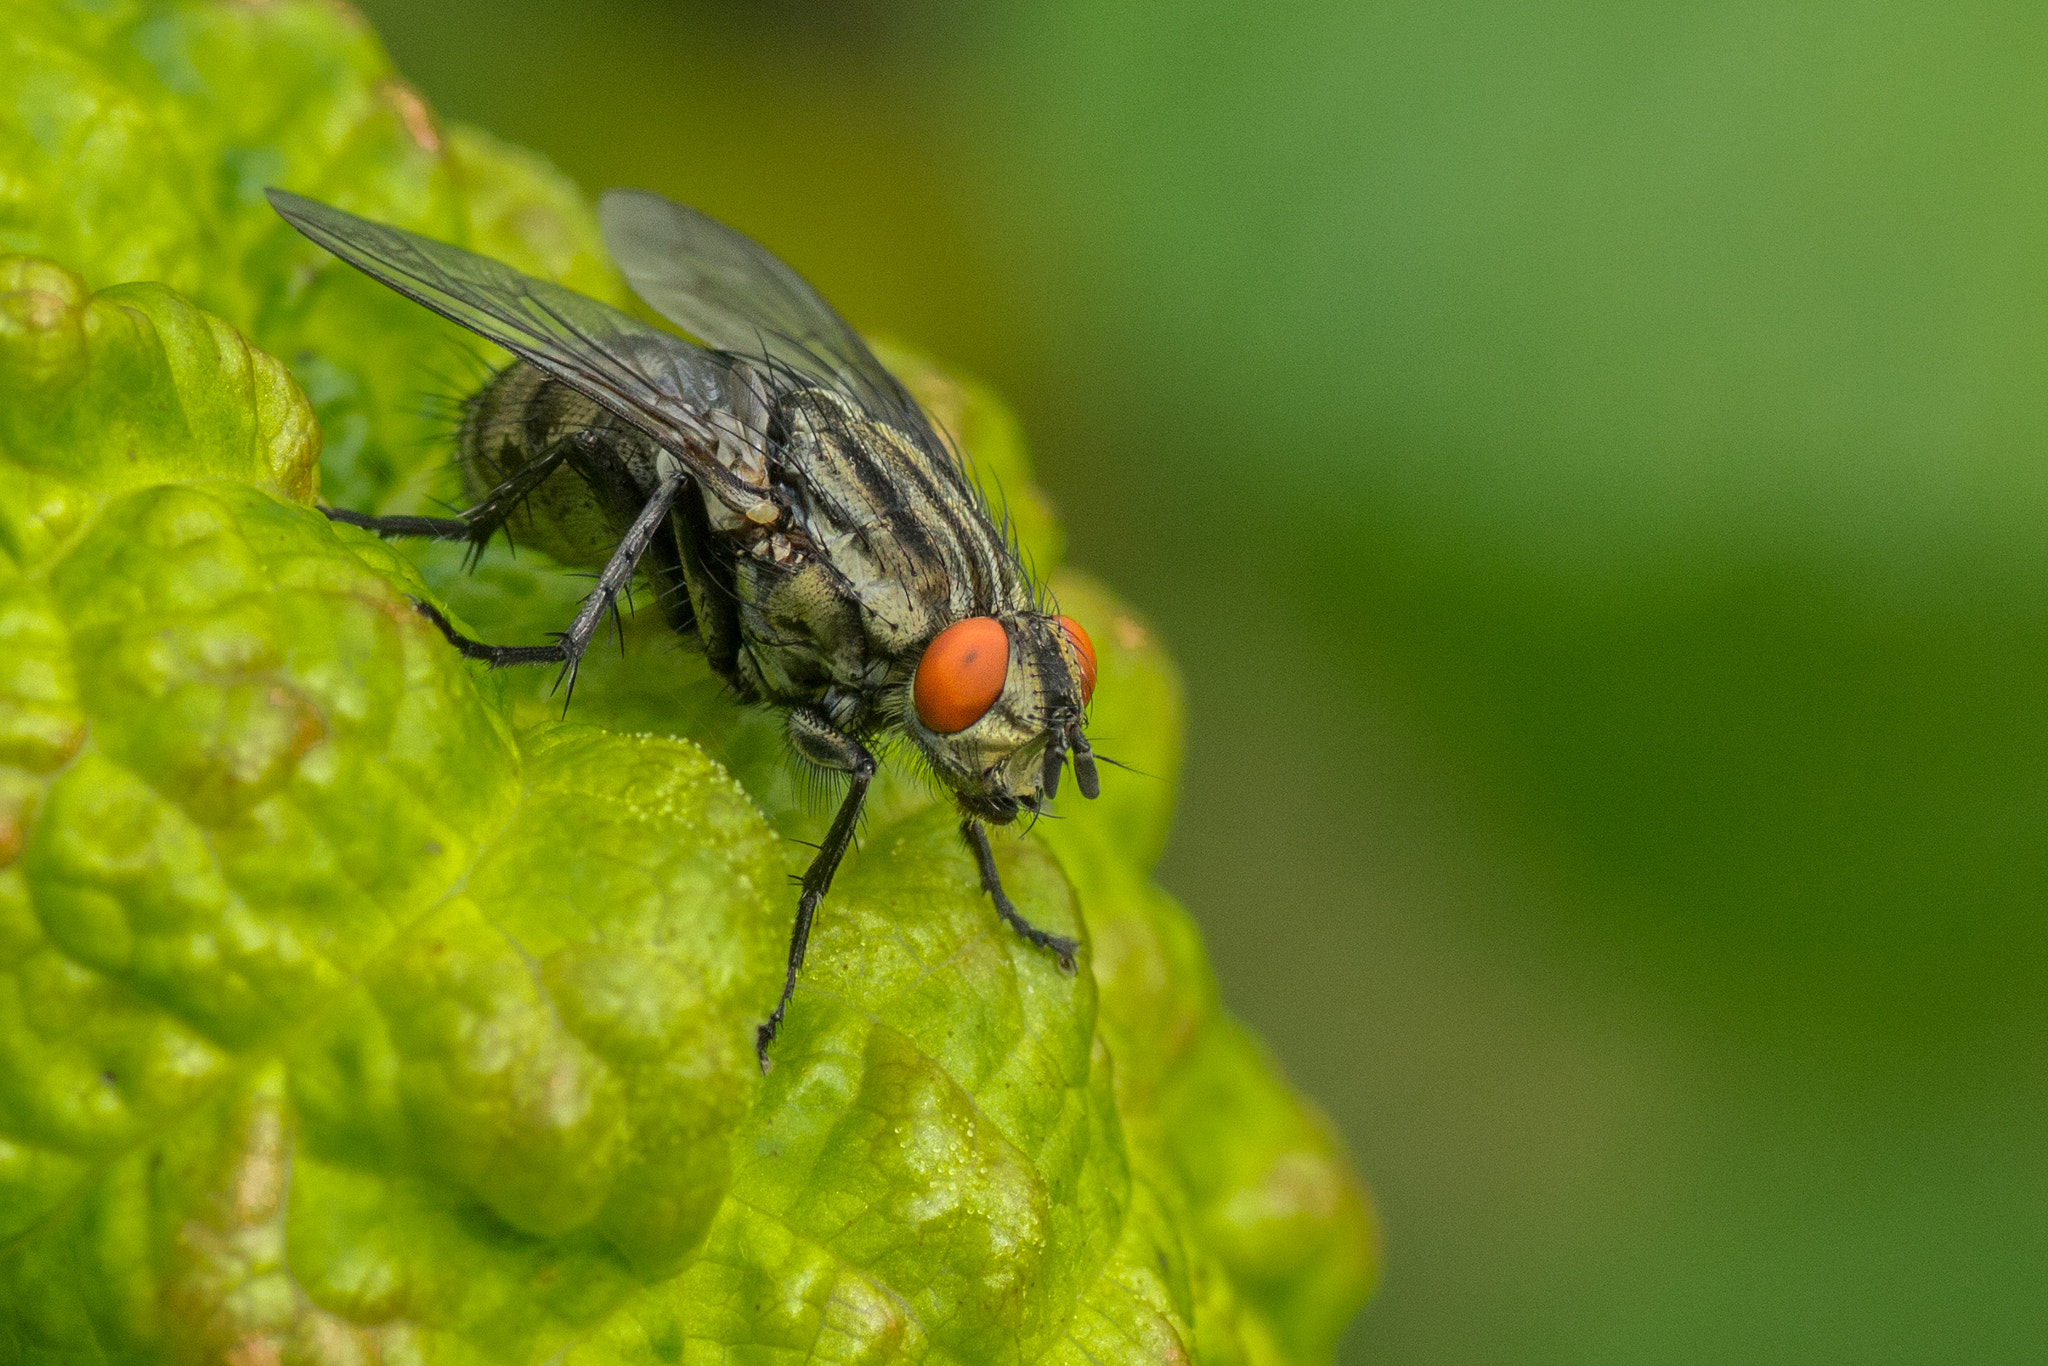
(618, 572)
(1061, 947)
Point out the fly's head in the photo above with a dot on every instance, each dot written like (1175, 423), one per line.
(998, 706)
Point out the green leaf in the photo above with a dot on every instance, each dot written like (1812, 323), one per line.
(355, 1007)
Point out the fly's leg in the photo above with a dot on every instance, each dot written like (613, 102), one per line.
(1063, 948)
(570, 645)
(426, 528)
(478, 524)
(824, 744)
(497, 656)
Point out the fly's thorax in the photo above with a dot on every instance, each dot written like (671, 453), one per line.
(903, 529)
(996, 764)
(800, 631)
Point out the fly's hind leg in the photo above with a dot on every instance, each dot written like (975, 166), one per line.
(478, 524)
(426, 528)
(497, 656)
(617, 573)
(1061, 947)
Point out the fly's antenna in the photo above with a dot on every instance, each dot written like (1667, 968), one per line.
(1084, 765)
(1055, 760)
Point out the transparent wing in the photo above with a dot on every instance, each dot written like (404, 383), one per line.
(675, 392)
(729, 291)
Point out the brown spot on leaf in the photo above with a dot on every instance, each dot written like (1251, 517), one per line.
(35, 309)
(308, 729)
(261, 1350)
(18, 795)
(412, 111)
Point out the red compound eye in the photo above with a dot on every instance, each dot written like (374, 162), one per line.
(961, 674)
(1084, 648)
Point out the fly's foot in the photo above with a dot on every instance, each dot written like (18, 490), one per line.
(497, 656)
(1062, 948)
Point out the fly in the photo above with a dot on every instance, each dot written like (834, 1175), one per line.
(794, 508)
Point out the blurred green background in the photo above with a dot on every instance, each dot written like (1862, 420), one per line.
(1592, 462)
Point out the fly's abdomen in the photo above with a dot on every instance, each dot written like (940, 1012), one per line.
(578, 512)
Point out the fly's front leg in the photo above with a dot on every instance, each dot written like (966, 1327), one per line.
(478, 524)
(1063, 948)
(618, 571)
(824, 744)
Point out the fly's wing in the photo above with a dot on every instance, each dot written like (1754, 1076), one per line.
(675, 392)
(731, 292)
